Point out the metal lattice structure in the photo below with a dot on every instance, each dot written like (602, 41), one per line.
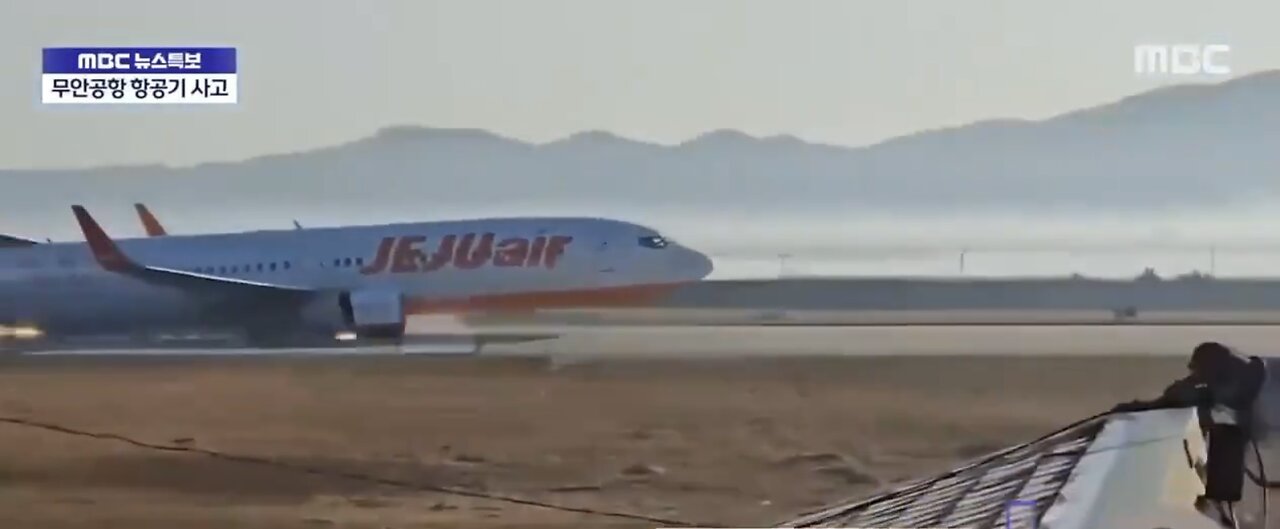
(1012, 488)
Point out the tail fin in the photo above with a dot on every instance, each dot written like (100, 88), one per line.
(149, 222)
(104, 249)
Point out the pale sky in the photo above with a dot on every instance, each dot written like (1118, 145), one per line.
(852, 72)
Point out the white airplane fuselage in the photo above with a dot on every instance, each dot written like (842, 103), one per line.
(450, 266)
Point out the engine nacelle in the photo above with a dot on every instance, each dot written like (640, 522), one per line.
(368, 313)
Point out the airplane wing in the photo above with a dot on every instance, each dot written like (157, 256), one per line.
(10, 241)
(149, 222)
(112, 259)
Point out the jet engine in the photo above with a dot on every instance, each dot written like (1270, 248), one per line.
(367, 313)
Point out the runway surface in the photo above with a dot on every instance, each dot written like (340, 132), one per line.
(735, 341)
(657, 341)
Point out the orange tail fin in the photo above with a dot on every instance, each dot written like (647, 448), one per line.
(153, 227)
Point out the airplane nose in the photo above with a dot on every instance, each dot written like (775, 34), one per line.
(705, 265)
(696, 263)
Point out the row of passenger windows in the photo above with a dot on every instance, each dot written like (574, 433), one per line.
(343, 263)
(270, 267)
(237, 269)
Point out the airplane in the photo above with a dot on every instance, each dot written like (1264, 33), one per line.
(153, 227)
(282, 286)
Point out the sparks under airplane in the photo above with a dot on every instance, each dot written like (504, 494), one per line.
(317, 282)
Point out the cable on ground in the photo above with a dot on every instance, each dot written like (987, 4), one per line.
(354, 476)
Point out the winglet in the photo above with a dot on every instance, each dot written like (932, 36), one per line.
(103, 248)
(149, 222)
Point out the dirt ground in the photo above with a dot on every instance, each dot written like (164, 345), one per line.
(725, 441)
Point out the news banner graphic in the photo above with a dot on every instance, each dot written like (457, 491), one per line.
(139, 76)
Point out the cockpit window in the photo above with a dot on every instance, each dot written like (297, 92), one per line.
(654, 241)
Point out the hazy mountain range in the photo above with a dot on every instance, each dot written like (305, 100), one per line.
(1171, 147)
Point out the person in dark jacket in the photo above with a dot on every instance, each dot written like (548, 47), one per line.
(1222, 386)
(1218, 377)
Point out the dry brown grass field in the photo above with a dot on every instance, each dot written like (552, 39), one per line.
(724, 441)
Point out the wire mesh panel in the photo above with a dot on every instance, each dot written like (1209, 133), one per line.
(1012, 488)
